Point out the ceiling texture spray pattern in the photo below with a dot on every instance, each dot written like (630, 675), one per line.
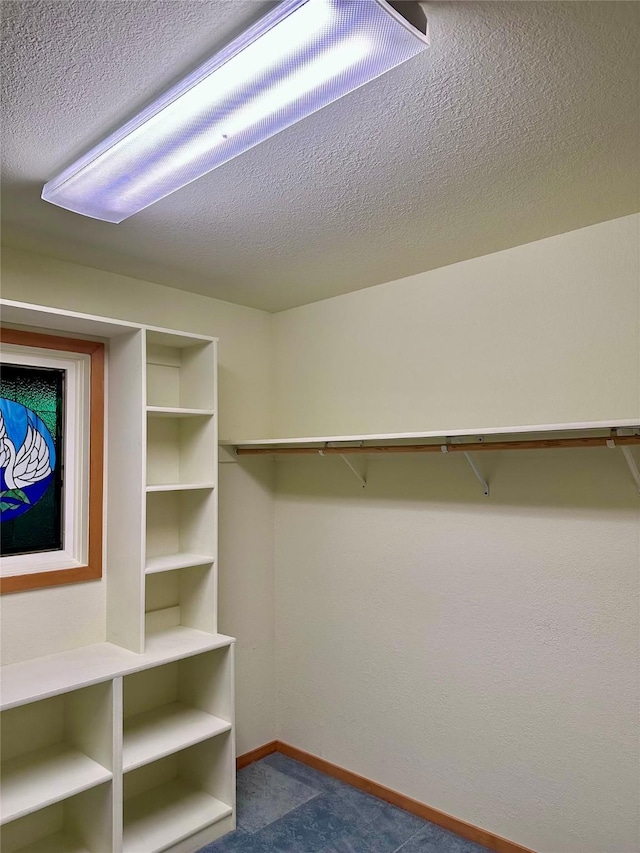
(522, 120)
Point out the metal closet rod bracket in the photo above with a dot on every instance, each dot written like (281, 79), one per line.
(360, 474)
(628, 455)
(472, 463)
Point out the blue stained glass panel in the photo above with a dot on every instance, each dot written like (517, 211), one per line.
(31, 445)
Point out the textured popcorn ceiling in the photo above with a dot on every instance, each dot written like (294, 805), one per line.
(522, 120)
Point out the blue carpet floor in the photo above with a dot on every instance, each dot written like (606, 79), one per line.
(286, 807)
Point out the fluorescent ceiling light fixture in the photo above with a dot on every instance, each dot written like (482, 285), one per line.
(300, 57)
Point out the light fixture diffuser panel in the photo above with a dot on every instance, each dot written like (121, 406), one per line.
(303, 55)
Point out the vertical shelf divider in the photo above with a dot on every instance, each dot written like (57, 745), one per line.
(126, 505)
(117, 791)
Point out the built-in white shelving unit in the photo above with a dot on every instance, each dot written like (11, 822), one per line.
(129, 745)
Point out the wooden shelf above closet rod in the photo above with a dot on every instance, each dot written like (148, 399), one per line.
(447, 447)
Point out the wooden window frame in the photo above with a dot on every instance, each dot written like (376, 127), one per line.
(93, 569)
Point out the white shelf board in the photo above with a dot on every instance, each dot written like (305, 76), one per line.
(175, 412)
(37, 779)
(179, 642)
(407, 436)
(60, 842)
(182, 560)
(51, 675)
(166, 815)
(179, 487)
(165, 730)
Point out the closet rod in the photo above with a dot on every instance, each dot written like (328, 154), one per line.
(532, 444)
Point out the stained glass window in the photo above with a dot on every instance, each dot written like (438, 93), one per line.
(31, 445)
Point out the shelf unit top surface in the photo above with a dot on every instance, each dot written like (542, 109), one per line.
(57, 319)
(443, 433)
(29, 681)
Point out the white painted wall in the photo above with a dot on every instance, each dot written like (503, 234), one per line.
(480, 655)
(247, 593)
(543, 333)
(245, 333)
(45, 621)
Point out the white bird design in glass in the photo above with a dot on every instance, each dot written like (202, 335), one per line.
(30, 464)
